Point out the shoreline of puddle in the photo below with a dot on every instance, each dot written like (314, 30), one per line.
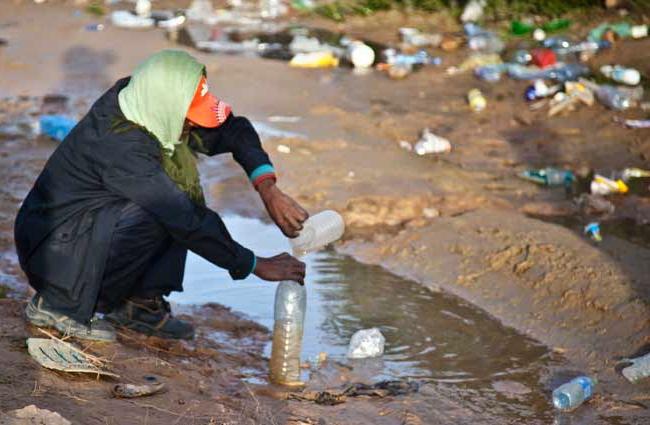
(432, 337)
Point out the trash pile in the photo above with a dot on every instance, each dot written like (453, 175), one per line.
(591, 191)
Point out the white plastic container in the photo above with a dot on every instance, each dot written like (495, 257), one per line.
(361, 55)
(318, 231)
(125, 19)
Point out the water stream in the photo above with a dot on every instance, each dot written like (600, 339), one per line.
(430, 336)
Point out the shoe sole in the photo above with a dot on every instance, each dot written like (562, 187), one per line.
(43, 319)
(145, 328)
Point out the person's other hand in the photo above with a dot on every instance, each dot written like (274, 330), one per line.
(280, 267)
(284, 211)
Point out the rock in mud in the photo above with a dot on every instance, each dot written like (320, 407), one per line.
(31, 414)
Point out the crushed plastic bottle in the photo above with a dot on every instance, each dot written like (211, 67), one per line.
(366, 343)
(414, 37)
(638, 370)
(560, 72)
(603, 186)
(572, 394)
(56, 126)
(288, 328)
(419, 58)
(593, 231)
(430, 143)
(126, 19)
(549, 176)
(318, 231)
(490, 73)
(621, 74)
(634, 173)
(476, 100)
(487, 43)
(613, 97)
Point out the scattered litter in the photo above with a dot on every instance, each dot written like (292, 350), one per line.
(634, 123)
(405, 145)
(361, 55)
(638, 370)
(30, 415)
(634, 173)
(549, 176)
(56, 126)
(430, 143)
(543, 58)
(126, 19)
(416, 38)
(59, 355)
(476, 100)
(94, 27)
(379, 390)
(593, 231)
(603, 186)
(473, 11)
(283, 149)
(572, 394)
(314, 60)
(133, 390)
(366, 343)
(621, 74)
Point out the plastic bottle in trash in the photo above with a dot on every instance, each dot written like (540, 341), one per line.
(560, 72)
(490, 73)
(431, 143)
(619, 98)
(629, 76)
(522, 57)
(639, 369)
(549, 176)
(289, 316)
(56, 126)
(572, 394)
(593, 230)
(486, 42)
(318, 231)
(476, 100)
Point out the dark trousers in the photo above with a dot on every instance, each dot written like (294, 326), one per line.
(143, 260)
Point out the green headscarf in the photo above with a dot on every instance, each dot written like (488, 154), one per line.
(157, 98)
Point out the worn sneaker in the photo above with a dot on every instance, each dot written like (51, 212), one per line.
(151, 316)
(39, 314)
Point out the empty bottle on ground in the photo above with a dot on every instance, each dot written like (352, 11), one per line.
(549, 176)
(572, 394)
(620, 74)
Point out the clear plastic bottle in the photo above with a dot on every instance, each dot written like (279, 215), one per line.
(639, 369)
(620, 74)
(319, 230)
(572, 394)
(289, 315)
(291, 300)
(618, 98)
(560, 72)
(549, 176)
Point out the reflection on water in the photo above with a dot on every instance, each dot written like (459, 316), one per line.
(460, 349)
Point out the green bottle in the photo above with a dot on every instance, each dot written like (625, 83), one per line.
(521, 28)
(556, 25)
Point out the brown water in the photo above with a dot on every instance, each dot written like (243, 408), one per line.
(472, 363)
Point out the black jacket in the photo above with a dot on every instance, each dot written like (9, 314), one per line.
(64, 226)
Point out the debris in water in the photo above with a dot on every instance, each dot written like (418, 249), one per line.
(366, 343)
(380, 390)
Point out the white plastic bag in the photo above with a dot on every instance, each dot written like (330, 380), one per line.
(366, 343)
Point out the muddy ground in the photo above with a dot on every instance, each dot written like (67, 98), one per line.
(461, 222)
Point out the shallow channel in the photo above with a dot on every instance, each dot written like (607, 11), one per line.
(467, 354)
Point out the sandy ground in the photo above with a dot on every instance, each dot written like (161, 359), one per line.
(461, 222)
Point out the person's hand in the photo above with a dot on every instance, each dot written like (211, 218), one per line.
(284, 211)
(280, 267)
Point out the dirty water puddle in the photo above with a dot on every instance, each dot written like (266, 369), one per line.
(466, 355)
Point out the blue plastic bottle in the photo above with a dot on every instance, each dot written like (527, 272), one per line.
(56, 126)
